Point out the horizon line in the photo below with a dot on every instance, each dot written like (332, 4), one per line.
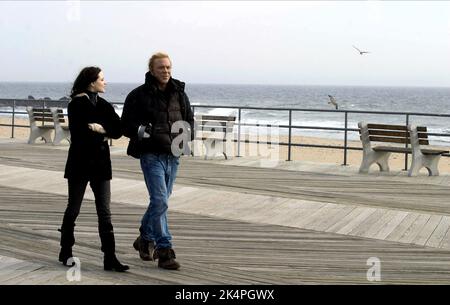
(250, 84)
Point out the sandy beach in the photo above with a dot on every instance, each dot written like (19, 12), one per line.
(310, 154)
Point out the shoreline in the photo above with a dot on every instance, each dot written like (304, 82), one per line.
(309, 154)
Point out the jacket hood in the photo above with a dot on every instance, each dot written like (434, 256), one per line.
(173, 83)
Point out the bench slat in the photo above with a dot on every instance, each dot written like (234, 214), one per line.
(42, 115)
(46, 127)
(211, 123)
(215, 118)
(216, 127)
(394, 127)
(45, 115)
(43, 119)
(40, 119)
(211, 138)
(395, 149)
(395, 140)
(44, 110)
(433, 151)
(402, 134)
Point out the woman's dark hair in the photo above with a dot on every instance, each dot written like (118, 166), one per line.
(87, 75)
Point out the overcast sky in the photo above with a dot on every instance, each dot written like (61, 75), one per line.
(230, 42)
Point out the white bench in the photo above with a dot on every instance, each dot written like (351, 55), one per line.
(417, 137)
(42, 123)
(39, 124)
(216, 134)
(62, 132)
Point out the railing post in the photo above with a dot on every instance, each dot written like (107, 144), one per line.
(13, 119)
(195, 133)
(345, 138)
(239, 133)
(290, 134)
(406, 145)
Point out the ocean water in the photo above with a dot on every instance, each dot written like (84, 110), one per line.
(395, 99)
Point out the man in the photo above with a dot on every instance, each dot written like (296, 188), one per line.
(150, 118)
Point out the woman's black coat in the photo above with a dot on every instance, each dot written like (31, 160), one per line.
(89, 157)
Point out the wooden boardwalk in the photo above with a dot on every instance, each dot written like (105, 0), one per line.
(231, 224)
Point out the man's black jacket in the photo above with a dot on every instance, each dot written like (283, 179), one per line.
(147, 104)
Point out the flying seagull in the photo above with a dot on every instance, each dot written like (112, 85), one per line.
(333, 101)
(361, 52)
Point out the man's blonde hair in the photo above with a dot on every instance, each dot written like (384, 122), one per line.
(156, 56)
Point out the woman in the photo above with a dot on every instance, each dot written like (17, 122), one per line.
(92, 120)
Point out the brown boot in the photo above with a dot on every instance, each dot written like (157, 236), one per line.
(146, 249)
(166, 259)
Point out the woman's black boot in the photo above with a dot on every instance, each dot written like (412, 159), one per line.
(64, 256)
(111, 263)
(67, 241)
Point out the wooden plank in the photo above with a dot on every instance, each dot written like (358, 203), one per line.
(403, 227)
(317, 216)
(305, 211)
(445, 242)
(390, 140)
(333, 215)
(393, 149)
(372, 223)
(205, 117)
(395, 140)
(427, 230)
(395, 134)
(346, 219)
(416, 227)
(390, 226)
(8, 262)
(18, 269)
(356, 221)
(394, 127)
(433, 151)
(284, 207)
(302, 210)
(268, 210)
(387, 126)
(326, 213)
(440, 232)
(271, 208)
(389, 133)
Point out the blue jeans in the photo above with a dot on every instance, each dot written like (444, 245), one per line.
(159, 171)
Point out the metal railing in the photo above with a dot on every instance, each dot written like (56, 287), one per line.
(345, 147)
(14, 103)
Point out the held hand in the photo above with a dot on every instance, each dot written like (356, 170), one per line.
(95, 127)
